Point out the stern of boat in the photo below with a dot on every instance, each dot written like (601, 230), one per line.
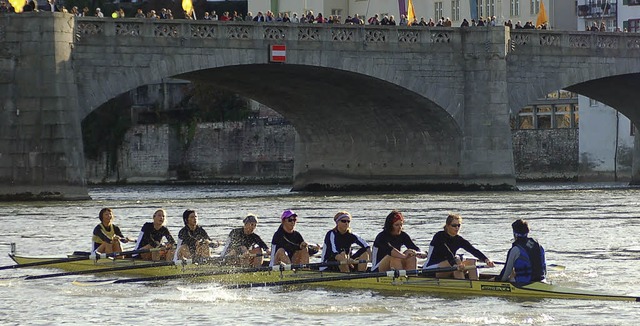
(12, 251)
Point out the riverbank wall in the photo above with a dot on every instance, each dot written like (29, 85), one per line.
(261, 151)
(255, 151)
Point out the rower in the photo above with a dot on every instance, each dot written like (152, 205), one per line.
(151, 236)
(387, 246)
(106, 235)
(194, 240)
(526, 261)
(288, 245)
(337, 246)
(244, 247)
(443, 248)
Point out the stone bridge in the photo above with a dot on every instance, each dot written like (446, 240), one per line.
(376, 108)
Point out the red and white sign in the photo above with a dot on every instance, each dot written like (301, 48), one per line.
(278, 53)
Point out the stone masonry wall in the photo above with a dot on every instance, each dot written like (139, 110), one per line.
(259, 151)
(546, 155)
(254, 151)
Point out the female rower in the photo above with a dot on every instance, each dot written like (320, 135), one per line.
(387, 247)
(194, 239)
(106, 235)
(243, 246)
(151, 237)
(337, 245)
(287, 244)
(443, 247)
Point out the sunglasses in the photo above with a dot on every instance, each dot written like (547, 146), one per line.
(345, 221)
(292, 219)
(455, 225)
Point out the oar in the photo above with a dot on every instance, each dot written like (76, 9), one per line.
(224, 271)
(345, 277)
(210, 261)
(554, 267)
(71, 259)
(102, 270)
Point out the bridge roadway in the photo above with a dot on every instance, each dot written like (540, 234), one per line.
(376, 108)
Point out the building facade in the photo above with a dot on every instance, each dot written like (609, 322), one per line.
(606, 137)
(561, 13)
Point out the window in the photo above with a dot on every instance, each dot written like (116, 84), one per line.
(336, 12)
(138, 145)
(535, 7)
(515, 8)
(563, 116)
(632, 25)
(593, 102)
(556, 110)
(480, 8)
(525, 118)
(566, 94)
(438, 10)
(544, 117)
(455, 10)
(491, 8)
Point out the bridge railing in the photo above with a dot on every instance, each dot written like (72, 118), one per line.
(201, 29)
(519, 39)
(528, 39)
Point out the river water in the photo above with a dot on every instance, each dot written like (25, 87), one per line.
(593, 232)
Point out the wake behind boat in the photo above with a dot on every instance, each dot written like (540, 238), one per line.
(236, 277)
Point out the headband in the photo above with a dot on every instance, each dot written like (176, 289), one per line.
(337, 219)
(397, 217)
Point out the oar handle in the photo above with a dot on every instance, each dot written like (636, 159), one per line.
(96, 255)
(288, 267)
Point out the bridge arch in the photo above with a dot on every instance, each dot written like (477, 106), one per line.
(340, 116)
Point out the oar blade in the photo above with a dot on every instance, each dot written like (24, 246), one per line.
(94, 282)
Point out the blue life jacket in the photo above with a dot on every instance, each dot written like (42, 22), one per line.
(531, 265)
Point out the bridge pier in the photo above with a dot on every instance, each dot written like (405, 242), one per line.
(41, 154)
(635, 166)
(411, 144)
(487, 149)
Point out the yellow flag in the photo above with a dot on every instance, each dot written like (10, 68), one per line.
(542, 15)
(411, 14)
(187, 6)
(18, 5)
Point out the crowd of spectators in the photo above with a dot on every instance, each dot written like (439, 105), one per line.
(307, 17)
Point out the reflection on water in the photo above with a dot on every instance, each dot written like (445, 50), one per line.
(592, 231)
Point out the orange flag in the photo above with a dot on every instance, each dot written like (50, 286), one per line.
(542, 15)
(18, 5)
(411, 14)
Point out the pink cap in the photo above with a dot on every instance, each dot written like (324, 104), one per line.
(288, 213)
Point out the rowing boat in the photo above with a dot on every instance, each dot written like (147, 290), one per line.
(382, 282)
(123, 266)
